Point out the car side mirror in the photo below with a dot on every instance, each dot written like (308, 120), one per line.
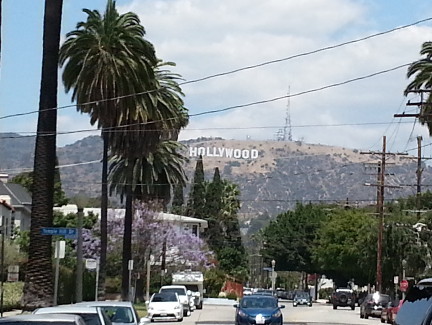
(282, 306)
(235, 305)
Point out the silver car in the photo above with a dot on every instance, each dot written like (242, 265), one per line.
(52, 319)
(91, 315)
(120, 312)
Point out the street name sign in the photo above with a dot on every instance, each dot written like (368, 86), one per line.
(53, 231)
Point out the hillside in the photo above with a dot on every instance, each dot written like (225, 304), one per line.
(272, 176)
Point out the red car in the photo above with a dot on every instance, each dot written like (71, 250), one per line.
(388, 314)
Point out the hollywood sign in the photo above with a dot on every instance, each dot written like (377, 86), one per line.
(223, 152)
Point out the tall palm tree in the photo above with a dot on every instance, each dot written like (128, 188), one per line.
(422, 72)
(38, 288)
(105, 58)
(141, 140)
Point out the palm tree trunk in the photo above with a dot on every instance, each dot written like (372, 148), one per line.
(127, 236)
(104, 216)
(38, 288)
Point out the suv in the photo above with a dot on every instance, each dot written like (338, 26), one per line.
(343, 297)
(183, 294)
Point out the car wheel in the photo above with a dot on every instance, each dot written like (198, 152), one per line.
(334, 306)
(353, 307)
(200, 305)
(180, 320)
(361, 315)
(294, 305)
(366, 316)
(382, 320)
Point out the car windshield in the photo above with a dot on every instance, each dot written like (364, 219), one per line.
(166, 297)
(415, 306)
(302, 295)
(258, 302)
(118, 314)
(178, 291)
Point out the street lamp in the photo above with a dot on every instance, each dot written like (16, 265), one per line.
(273, 278)
(404, 264)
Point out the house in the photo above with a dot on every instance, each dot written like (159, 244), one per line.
(19, 198)
(7, 214)
(193, 225)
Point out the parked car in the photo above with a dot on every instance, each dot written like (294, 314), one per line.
(57, 319)
(388, 313)
(265, 292)
(184, 295)
(372, 305)
(165, 306)
(281, 293)
(257, 310)
(91, 315)
(343, 297)
(417, 306)
(119, 312)
(302, 298)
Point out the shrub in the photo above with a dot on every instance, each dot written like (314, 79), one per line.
(12, 295)
(113, 285)
(231, 295)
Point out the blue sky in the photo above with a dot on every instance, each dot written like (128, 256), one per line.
(205, 37)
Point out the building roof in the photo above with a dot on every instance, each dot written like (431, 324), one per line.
(72, 208)
(19, 195)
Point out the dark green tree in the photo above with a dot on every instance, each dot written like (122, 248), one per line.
(105, 58)
(289, 238)
(38, 288)
(177, 205)
(196, 202)
(422, 72)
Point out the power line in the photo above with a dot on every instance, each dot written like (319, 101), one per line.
(216, 75)
(33, 134)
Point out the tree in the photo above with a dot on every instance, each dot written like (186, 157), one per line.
(290, 238)
(26, 179)
(107, 58)
(38, 288)
(196, 202)
(422, 72)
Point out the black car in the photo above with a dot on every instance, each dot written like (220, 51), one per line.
(302, 298)
(417, 306)
(257, 310)
(343, 297)
(372, 305)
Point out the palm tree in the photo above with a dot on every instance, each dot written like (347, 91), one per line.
(105, 58)
(422, 72)
(38, 288)
(144, 152)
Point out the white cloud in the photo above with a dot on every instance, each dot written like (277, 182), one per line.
(213, 36)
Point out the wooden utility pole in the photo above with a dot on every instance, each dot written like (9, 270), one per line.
(380, 208)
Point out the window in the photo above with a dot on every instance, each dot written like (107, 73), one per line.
(195, 230)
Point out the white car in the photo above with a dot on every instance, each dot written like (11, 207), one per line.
(120, 312)
(165, 306)
(32, 319)
(184, 295)
(91, 315)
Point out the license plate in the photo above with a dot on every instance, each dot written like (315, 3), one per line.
(259, 319)
(164, 315)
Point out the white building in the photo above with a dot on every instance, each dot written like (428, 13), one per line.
(194, 225)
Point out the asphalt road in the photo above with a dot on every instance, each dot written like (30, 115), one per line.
(318, 314)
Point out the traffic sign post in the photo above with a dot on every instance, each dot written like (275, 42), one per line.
(403, 285)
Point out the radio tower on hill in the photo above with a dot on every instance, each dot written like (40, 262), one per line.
(286, 133)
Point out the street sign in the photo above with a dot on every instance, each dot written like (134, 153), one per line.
(91, 264)
(60, 249)
(66, 232)
(395, 279)
(403, 285)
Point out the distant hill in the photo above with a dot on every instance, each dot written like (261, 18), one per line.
(272, 175)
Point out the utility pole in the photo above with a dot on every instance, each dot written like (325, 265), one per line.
(380, 208)
(419, 172)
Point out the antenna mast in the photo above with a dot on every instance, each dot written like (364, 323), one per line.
(287, 131)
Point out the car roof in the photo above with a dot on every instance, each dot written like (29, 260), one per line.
(67, 309)
(40, 317)
(173, 286)
(102, 303)
(427, 281)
